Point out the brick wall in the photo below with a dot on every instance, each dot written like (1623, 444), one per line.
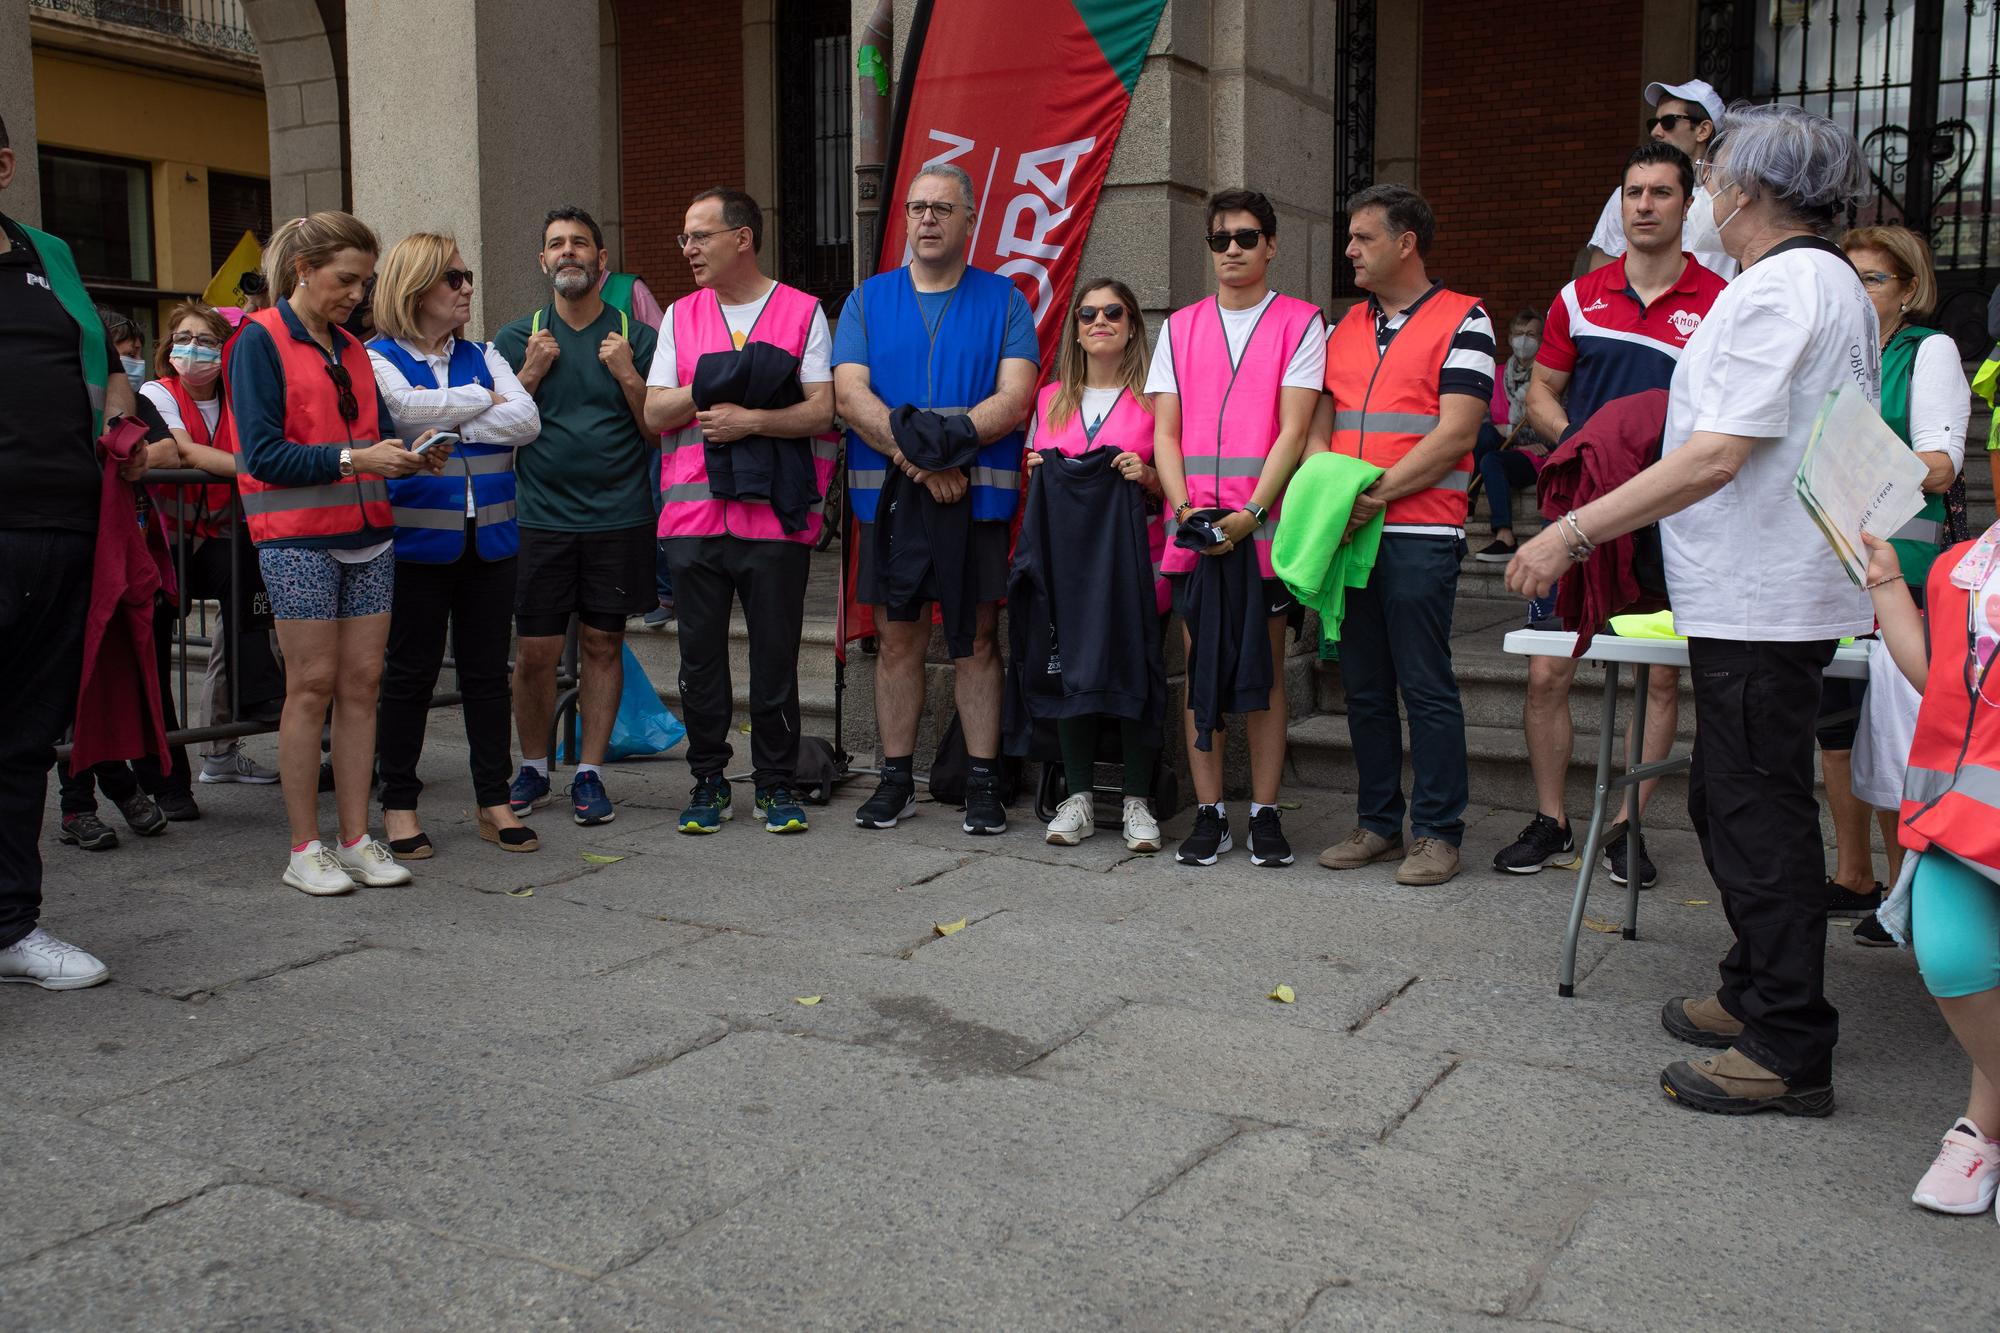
(680, 81)
(1526, 122)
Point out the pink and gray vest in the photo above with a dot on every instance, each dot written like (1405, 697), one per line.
(1229, 413)
(688, 508)
(1127, 428)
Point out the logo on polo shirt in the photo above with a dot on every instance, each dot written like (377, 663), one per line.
(1685, 322)
(1599, 304)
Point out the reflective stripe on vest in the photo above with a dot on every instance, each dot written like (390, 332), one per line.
(1386, 402)
(1229, 413)
(430, 510)
(1126, 428)
(446, 520)
(688, 508)
(1920, 529)
(338, 508)
(1951, 789)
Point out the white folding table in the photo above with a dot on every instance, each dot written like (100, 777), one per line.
(1849, 661)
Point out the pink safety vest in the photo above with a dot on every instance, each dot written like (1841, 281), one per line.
(1229, 417)
(688, 509)
(1128, 428)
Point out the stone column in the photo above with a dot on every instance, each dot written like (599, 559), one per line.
(475, 119)
(23, 199)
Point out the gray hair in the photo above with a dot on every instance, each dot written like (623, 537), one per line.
(1805, 164)
(956, 175)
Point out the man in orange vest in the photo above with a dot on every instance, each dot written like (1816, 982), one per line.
(1409, 373)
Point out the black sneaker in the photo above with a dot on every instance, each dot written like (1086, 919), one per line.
(1869, 931)
(1208, 839)
(1614, 861)
(142, 815)
(1842, 901)
(893, 800)
(1496, 552)
(984, 814)
(1543, 842)
(87, 831)
(178, 807)
(1267, 839)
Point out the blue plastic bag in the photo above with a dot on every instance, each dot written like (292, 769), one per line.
(644, 724)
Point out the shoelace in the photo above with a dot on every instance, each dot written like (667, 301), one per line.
(1960, 1155)
(1421, 845)
(327, 861)
(778, 796)
(48, 946)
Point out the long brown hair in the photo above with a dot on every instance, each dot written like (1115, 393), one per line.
(1072, 363)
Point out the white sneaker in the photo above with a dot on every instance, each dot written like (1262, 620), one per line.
(40, 959)
(317, 871)
(236, 767)
(1076, 819)
(371, 862)
(1142, 831)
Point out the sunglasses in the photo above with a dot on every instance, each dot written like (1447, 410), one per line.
(1246, 239)
(456, 278)
(916, 208)
(350, 407)
(1671, 121)
(1087, 314)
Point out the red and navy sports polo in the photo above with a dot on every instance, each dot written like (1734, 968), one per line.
(1613, 345)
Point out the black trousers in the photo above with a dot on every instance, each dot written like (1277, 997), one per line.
(710, 574)
(1750, 795)
(44, 599)
(118, 778)
(476, 597)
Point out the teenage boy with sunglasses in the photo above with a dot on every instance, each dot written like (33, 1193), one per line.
(1688, 116)
(1234, 382)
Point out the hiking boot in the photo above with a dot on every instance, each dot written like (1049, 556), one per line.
(1207, 840)
(1543, 842)
(87, 831)
(1431, 861)
(1869, 932)
(781, 810)
(1702, 1022)
(142, 815)
(1142, 831)
(1361, 848)
(1267, 839)
(1076, 819)
(1731, 1083)
(1964, 1177)
(40, 959)
(708, 806)
(178, 807)
(1843, 901)
(894, 799)
(984, 814)
(530, 791)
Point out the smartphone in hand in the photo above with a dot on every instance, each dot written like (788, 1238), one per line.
(441, 437)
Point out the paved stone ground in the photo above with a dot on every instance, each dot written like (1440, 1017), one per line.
(599, 1106)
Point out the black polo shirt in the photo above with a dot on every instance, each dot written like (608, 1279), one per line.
(47, 456)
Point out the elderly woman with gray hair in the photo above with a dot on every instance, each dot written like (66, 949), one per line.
(1758, 593)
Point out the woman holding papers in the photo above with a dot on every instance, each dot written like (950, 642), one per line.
(1757, 590)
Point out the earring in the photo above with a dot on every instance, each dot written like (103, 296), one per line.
(1903, 309)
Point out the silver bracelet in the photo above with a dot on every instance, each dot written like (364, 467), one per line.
(1582, 547)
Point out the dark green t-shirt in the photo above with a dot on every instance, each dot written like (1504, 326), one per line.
(592, 469)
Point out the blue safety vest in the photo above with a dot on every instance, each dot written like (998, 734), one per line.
(950, 371)
(430, 511)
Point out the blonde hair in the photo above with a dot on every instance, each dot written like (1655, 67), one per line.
(1072, 363)
(163, 365)
(412, 267)
(1912, 254)
(312, 240)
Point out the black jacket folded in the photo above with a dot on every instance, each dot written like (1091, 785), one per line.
(914, 535)
(1229, 668)
(780, 472)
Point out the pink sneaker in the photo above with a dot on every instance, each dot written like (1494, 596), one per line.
(1965, 1175)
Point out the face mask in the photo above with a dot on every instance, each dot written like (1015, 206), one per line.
(197, 365)
(1702, 232)
(1524, 345)
(135, 369)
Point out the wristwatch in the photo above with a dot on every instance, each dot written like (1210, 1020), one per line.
(1257, 512)
(346, 462)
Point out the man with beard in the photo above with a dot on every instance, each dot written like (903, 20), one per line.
(585, 494)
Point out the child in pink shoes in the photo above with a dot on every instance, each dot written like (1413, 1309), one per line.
(1965, 1175)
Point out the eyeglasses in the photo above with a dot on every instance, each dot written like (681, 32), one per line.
(1246, 239)
(1087, 314)
(1874, 279)
(207, 340)
(350, 408)
(687, 238)
(456, 278)
(916, 208)
(1671, 121)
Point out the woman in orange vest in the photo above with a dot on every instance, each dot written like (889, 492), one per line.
(1947, 899)
(317, 449)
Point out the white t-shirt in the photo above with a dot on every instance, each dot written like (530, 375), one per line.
(1940, 400)
(815, 367)
(1097, 405)
(1306, 370)
(1748, 562)
(211, 409)
(1609, 234)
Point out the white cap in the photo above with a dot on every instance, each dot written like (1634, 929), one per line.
(1694, 90)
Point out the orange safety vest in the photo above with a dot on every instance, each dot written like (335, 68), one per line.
(1384, 403)
(1951, 790)
(312, 416)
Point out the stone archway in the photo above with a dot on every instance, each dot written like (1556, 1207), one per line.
(305, 93)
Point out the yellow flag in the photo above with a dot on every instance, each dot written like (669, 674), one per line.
(222, 288)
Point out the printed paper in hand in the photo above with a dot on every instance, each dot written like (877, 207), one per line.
(1858, 476)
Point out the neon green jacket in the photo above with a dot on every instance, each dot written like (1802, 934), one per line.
(1308, 553)
(1986, 383)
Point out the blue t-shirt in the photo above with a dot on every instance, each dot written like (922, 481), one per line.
(850, 339)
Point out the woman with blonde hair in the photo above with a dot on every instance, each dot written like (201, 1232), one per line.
(318, 446)
(1097, 400)
(455, 534)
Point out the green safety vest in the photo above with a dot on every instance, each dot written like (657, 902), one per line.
(1917, 543)
(617, 291)
(92, 346)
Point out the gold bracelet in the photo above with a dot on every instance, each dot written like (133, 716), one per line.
(1881, 583)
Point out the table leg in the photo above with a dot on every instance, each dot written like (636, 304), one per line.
(1635, 843)
(1606, 732)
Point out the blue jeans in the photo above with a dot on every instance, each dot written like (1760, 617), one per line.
(1397, 639)
(1500, 471)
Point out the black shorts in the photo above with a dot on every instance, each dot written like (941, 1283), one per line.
(1837, 695)
(1278, 600)
(989, 551)
(599, 577)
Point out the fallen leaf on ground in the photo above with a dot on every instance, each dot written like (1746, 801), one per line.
(806, 999)
(1694, 902)
(1601, 926)
(520, 893)
(951, 928)
(1283, 995)
(599, 859)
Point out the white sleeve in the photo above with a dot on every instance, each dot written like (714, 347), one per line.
(517, 421)
(444, 409)
(1940, 401)
(170, 411)
(816, 366)
(665, 372)
(1609, 234)
(1307, 369)
(1160, 375)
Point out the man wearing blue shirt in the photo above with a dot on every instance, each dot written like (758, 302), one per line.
(954, 340)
